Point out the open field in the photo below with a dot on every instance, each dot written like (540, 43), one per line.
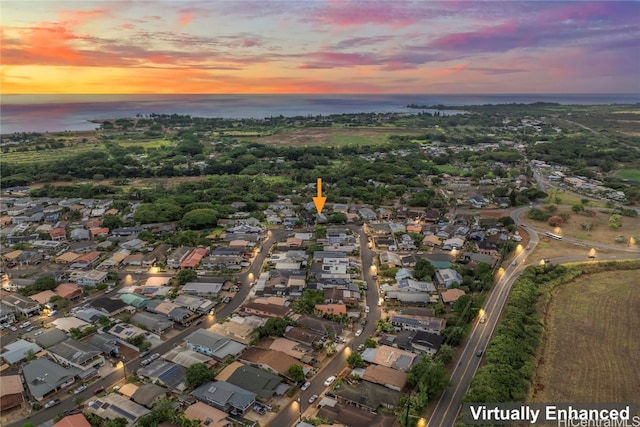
(48, 155)
(592, 346)
(600, 230)
(336, 136)
(570, 198)
(630, 174)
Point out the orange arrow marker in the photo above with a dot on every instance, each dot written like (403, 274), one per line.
(319, 201)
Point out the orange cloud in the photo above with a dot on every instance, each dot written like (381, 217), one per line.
(185, 17)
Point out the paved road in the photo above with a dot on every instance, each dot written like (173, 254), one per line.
(449, 405)
(290, 415)
(131, 366)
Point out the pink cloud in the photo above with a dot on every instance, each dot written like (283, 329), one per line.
(185, 17)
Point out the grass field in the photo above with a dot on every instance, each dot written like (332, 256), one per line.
(47, 156)
(630, 174)
(336, 136)
(600, 231)
(592, 346)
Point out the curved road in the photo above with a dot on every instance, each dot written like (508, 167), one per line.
(449, 405)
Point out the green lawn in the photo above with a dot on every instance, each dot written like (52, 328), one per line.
(47, 156)
(630, 174)
(451, 170)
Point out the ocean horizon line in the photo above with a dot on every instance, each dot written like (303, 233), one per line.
(74, 112)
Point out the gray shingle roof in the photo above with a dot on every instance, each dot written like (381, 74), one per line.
(224, 396)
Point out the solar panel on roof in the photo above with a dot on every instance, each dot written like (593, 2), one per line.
(123, 412)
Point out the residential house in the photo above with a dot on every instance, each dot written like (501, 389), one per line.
(266, 310)
(207, 415)
(126, 231)
(224, 396)
(341, 296)
(19, 350)
(417, 323)
(7, 315)
(78, 354)
(165, 373)
(321, 326)
(152, 322)
(43, 297)
(43, 377)
(105, 343)
(114, 406)
(58, 234)
(390, 357)
(331, 309)
(158, 254)
(447, 277)
(368, 396)
(367, 214)
(69, 291)
(238, 331)
(125, 331)
(193, 258)
(450, 296)
(21, 305)
(176, 257)
(349, 415)
(195, 304)
(90, 278)
(212, 344)
(85, 261)
(68, 323)
(453, 243)
(109, 306)
(204, 289)
(426, 343)
(264, 384)
(386, 376)
(75, 420)
(185, 357)
(271, 360)
(148, 394)
(304, 336)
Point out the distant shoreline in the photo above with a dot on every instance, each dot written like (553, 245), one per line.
(57, 113)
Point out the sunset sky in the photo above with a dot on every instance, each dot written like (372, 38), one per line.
(254, 47)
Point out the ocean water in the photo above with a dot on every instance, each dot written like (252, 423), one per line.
(51, 113)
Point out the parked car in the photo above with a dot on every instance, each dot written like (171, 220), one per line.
(226, 300)
(25, 325)
(80, 389)
(479, 353)
(305, 386)
(51, 403)
(13, 328)
(313, 398)
(367, 309)
(145, 362)
(361, 347)
(98, 390)
(329, 381)
(144, 353)
(154, 356)
(359, 332)
(30, 328)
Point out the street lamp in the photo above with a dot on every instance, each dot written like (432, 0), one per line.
(300, 408)
(122, 365)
